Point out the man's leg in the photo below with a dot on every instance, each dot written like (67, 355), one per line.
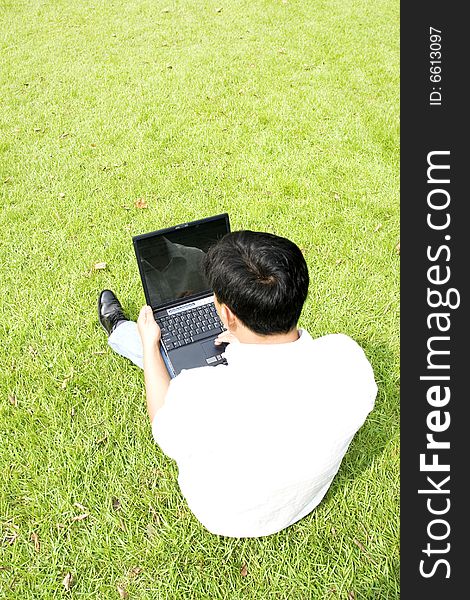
(123, 336)
(125, 340)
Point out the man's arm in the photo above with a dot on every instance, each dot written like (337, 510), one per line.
(156, 375)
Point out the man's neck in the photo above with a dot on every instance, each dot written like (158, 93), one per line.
(245, 336)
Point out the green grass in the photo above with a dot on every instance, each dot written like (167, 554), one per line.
(284, 114)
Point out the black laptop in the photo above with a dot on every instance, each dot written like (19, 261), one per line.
(170, 265)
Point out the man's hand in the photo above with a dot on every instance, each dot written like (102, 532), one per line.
(149, 330)
(225, 338)
(156, 376)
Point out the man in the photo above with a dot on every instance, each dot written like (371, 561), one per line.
(257, 441)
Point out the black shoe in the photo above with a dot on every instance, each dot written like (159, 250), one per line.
(110, 313)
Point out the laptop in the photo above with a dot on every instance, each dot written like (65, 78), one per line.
(170, 266)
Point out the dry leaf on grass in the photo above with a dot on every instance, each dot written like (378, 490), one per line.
(362, 547)
(123, 593)
(135, 571)
(13, 400)
(155, 515)
(397, 247)
(100, 266)
(80, 517)
(35, 540)
(67, 581)
(62, 195)
(80, 506)
(141, 203)
(244, 571)
(116, 503)
(351, 595)
(332, 590)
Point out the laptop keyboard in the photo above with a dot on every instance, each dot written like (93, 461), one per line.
(190, 326)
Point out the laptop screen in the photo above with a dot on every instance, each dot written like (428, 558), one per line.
(170, 260)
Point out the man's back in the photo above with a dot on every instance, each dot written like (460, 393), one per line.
(258, 442)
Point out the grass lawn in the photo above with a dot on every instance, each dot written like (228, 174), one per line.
(121, 117)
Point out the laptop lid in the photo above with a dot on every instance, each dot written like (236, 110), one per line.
(170, 260)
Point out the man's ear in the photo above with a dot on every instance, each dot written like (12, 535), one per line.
(229, 319)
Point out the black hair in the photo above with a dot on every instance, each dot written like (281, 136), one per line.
(261, 277)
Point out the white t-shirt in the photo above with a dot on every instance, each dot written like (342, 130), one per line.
(258, 441)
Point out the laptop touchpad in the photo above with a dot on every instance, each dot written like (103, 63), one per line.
(211, 349)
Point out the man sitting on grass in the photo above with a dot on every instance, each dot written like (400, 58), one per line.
(257, 441)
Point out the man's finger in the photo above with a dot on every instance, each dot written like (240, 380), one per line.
(145, 309)
(225, 337)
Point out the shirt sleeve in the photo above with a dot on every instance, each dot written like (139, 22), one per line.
(176, 423)
(357, 381)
